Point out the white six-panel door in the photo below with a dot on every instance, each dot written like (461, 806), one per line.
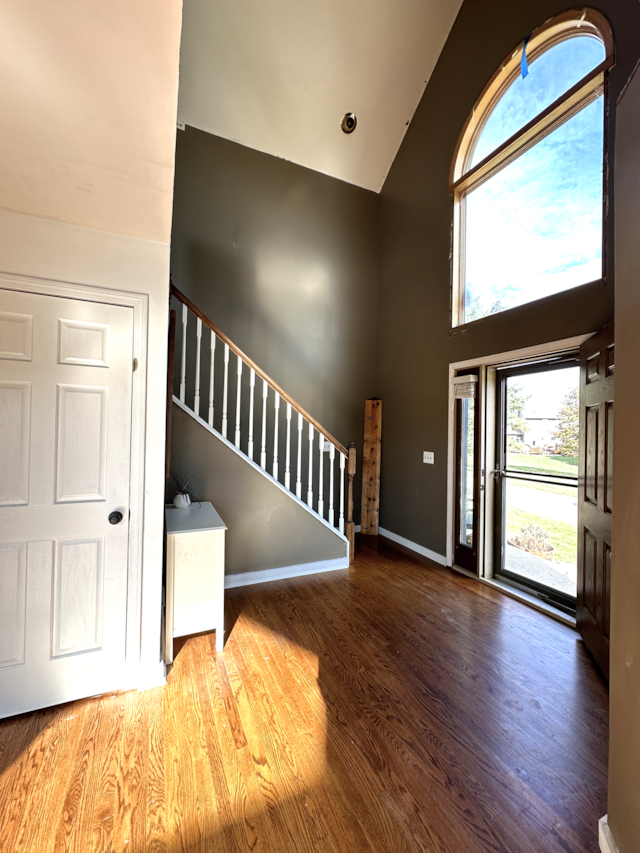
(65, 439)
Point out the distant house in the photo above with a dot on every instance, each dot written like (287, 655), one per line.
(540, 429)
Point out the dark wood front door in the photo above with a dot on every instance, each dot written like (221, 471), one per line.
(595, 493)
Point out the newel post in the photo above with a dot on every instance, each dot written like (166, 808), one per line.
(350, 528)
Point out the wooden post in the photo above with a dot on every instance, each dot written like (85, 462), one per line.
(350, 528)
(170, 370)
(370, 507)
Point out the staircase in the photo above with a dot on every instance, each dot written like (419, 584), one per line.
(215, 386)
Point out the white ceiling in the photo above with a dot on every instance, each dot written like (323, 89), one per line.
(279, 75)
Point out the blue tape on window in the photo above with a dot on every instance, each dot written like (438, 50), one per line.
(523, 62)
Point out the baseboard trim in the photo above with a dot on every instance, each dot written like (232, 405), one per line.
(266, 575)
(413, 546)
(607, 844)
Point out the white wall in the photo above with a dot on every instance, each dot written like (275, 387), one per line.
(88, 99)
(88, 93)
(278, 77)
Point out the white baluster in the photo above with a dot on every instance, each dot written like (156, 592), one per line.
(287, 459)
(321, 475)
(196, 399)
(332, 457)
(310, 485)
(263, 447)
(252, 388)
(341, 521)
(299, 468)
(183, 366)
(212, 352)
(276, 413)
(238, 399)
(225, 390)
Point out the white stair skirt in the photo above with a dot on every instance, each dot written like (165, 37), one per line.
(271, 532)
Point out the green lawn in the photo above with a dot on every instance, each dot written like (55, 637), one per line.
(563, 535)
(566, 466)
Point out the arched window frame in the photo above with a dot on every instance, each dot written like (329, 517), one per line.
(463, 179)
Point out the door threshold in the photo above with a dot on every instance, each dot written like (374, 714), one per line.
(520, 595)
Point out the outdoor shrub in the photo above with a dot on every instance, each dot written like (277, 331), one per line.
(532, 537)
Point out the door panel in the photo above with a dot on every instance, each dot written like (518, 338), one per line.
(84, 343)
(591, 461)
(590, 572)
(13, 574)
(595, 500)
(15, 429)
(16, 336)
(81, 443)
(65, 414)
(608, 459)
(78, 581)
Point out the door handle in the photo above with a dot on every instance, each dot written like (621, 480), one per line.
(115, 517)
(497, 472)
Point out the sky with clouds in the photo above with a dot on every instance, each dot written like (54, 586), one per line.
(535, 228)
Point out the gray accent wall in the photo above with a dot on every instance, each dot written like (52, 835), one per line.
(342, 295)
(285, 261)
(267, 528)
(415, 342)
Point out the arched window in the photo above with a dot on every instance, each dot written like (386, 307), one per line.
(527, 174)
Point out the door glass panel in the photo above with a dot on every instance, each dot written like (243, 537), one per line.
(543, 423)
(467, 451)
(541, 533)
(539, 485)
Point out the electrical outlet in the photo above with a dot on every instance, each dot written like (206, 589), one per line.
(428, 457)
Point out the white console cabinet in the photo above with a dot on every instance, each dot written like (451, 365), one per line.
(194, 591)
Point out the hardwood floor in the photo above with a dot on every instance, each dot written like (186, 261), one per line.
(390, 708)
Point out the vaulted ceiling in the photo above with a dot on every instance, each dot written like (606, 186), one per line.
(279, 76)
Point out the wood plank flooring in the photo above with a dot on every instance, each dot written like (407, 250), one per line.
(389, 708)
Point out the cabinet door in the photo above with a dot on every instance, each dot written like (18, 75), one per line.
(195, 586)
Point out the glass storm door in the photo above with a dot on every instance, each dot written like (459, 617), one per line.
(536, 479)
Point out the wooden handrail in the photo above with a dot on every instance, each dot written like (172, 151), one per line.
(251, 363)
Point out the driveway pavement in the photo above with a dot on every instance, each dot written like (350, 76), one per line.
(560, 507)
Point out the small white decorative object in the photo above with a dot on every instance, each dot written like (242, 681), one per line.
(181, 498)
